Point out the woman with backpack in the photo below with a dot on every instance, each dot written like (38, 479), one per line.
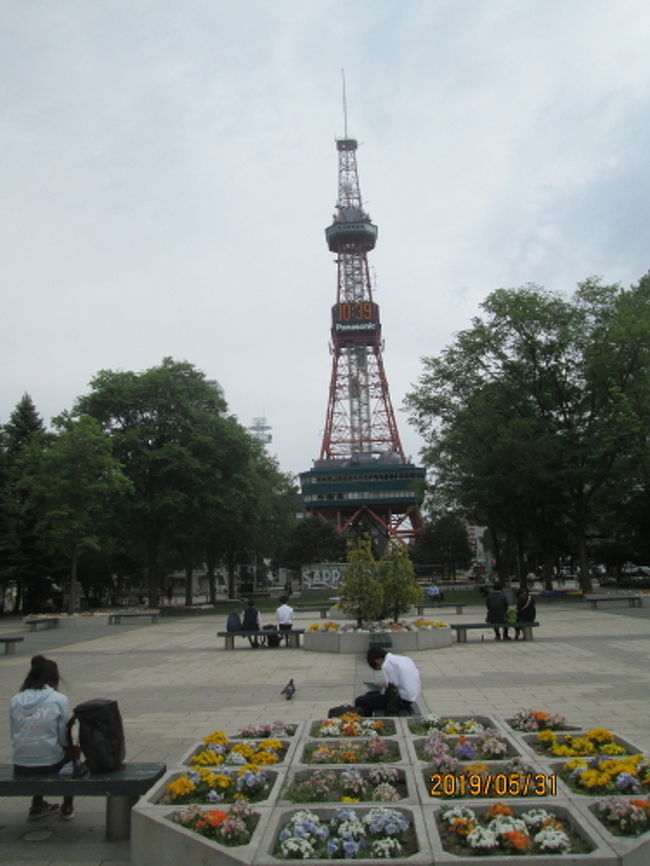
(39, 714)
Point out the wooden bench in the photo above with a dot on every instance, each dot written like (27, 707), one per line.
(10, 644)
(323, 608)
(48, 621)
(116, 618)
(122, 788)
(632, 600)
(292, 636)
(434, 605)
(461, 629)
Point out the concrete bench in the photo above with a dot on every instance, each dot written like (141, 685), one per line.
(48, 621)
(122, 788)
(323, 608)
(116, 618)
(632, 600)
(292, 636)
(461, 629)
(435, 605)
(10, 644)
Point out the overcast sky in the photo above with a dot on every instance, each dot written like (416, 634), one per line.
(168, 169)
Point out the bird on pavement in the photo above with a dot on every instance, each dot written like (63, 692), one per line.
(289, 690)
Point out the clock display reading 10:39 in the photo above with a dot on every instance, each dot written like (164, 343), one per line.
(355, 313)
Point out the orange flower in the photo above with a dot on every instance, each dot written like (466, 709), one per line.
(216, 817)
(349, 757)
(463, 826)
(498, 809)
(539, 716)
(518, 840)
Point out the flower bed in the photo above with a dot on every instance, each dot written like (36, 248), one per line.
(602, 775)
(404, 637)
(624, 816)
(490, 745)
(353, 725)
(598, 741)
(326, 785)
(370, 834)
(217, 750)
(371, 751)
(230, 827)
(500, 829)
(454, 725)
(276, 730)
(538, 720)
(208, 785)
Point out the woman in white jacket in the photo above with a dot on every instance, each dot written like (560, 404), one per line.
(39, 714)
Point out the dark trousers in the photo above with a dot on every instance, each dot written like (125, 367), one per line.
(37, 799)
(286, 626)
(372, 701)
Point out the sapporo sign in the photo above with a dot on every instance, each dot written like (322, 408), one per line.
(323, 575)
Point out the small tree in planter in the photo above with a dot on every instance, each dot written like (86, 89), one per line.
(361, 591)
(400, 590)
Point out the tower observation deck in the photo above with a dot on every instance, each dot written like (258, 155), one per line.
(362, 472)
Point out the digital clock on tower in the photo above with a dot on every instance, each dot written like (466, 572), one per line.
(355, 317)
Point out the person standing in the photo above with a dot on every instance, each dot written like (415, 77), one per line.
(398, 671)
(39, 714)
(284, 616)
(497, 609)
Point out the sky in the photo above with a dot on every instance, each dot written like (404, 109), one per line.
(168, 169)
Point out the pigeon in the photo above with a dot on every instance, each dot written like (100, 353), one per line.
(289, 690)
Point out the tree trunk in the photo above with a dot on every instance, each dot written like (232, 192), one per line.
(73, 581)
(585, 578)
(189, 571)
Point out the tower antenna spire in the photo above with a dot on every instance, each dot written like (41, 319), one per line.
(345, 106)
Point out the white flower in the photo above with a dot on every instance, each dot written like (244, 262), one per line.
(450, 815)
(297, 848)
(481, 837)
(385, 848)
(552, 840)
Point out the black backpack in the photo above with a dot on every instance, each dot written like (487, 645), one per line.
(233, 623)
(101, 736)
(272, 638)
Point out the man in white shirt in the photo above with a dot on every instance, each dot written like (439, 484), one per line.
(399, 671)
(284, 616)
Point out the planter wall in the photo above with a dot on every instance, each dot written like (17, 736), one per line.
(358, 642)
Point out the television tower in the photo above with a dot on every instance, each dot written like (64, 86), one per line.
(362, 470)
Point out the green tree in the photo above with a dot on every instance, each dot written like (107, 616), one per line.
(312, 540)
(444, 542)
(361, 591)
(538, 411)
(399, 588)
(70, 484)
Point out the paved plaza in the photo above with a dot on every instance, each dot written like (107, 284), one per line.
(175, 682)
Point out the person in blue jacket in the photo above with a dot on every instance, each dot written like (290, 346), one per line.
(39, 714)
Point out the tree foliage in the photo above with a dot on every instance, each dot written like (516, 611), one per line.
(537, 414)
(361, 591)
(399, 588)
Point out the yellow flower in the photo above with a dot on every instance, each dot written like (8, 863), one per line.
(563, 751)
(219, 737)
(180, 787)
(263, 758)
(275, 745)
(612, 749)
(207, 756)
(244, 749)
(574, 764)
(601, 735)
(349, 799)
(546, 736)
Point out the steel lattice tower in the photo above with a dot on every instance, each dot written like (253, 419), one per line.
(362, 469)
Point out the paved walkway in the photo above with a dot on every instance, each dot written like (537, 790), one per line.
(175, 683)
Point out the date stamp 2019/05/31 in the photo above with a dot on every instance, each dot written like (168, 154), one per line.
(493, 785)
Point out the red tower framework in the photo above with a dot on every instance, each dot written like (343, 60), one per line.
(362, 469)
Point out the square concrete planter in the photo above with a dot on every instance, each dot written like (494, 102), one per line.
(308, 745)
(358, 642)
(632, 850)
(406, 779)
(388, 729)
(157, 841)
(486, 721)
(415, 744)
(600, 853)
(529, 741)
(152, 797)
(290, 745)
(420, 857)
(583, 793)
(496, 785)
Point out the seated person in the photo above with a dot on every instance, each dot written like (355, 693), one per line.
(399, 671)
(284, 616)
(251, 620)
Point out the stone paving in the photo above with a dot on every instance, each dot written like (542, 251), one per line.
(174, 683)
